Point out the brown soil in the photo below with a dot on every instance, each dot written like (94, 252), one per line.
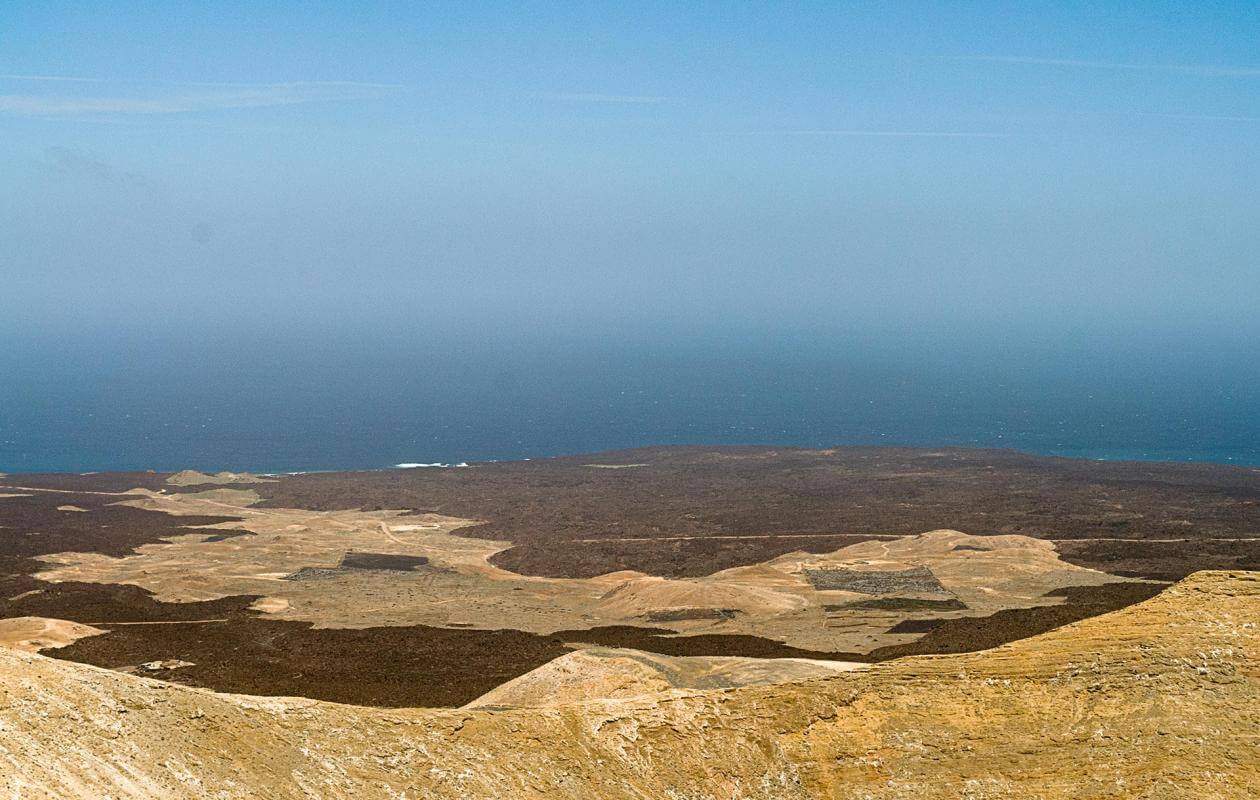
(569, 520)
(1164, 561)
(420, 665)
(916, 625)
(969, 634)
(900, 604)
(388, 666)
(394, 666)
(33, 526)
(1157, 701)
(666, 642)
(382, 561)
(91, 482)
(679, 614)
(915, 579)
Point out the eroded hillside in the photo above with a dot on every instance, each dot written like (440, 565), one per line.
(1157, 700)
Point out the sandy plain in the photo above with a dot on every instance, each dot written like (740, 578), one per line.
(351, 586)
(300, 562)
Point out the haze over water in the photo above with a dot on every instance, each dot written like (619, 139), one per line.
(288, 407)
(350, 236)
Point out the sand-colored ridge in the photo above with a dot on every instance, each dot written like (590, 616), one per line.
(32, 634)
(191, 477)
(609, 673)
(1158, 700)
(294, 557)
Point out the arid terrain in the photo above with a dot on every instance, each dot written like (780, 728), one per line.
(1159, 700)
(711, 622)
(435, 586)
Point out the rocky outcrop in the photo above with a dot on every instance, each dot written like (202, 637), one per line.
(1157, 700)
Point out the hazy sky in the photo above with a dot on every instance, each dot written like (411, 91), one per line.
(636, 169)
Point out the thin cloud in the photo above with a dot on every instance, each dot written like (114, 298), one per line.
(1197, 117)
(889, 134)
(49, 78)
(12, 76)
(183, 97)
(1200, 70)
(594, 97)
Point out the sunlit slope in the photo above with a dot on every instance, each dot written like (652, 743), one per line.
(605, 673)
(1158, 700)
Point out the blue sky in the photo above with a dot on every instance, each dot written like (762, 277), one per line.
(575, 170)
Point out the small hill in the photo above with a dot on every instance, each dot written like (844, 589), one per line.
(605, 673)
(191, 477)
(32, 634)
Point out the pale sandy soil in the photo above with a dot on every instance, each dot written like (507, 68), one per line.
(32, 634)
(191, 477)
(459, 587)
(1159, 700)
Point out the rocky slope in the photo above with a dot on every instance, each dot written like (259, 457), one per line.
(607, 673)
(1158, 700)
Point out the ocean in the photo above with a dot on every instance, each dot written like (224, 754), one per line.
(260, 405)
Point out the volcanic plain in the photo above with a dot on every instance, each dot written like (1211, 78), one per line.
(611, 575)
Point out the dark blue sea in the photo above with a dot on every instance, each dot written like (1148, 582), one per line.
(253, 403)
